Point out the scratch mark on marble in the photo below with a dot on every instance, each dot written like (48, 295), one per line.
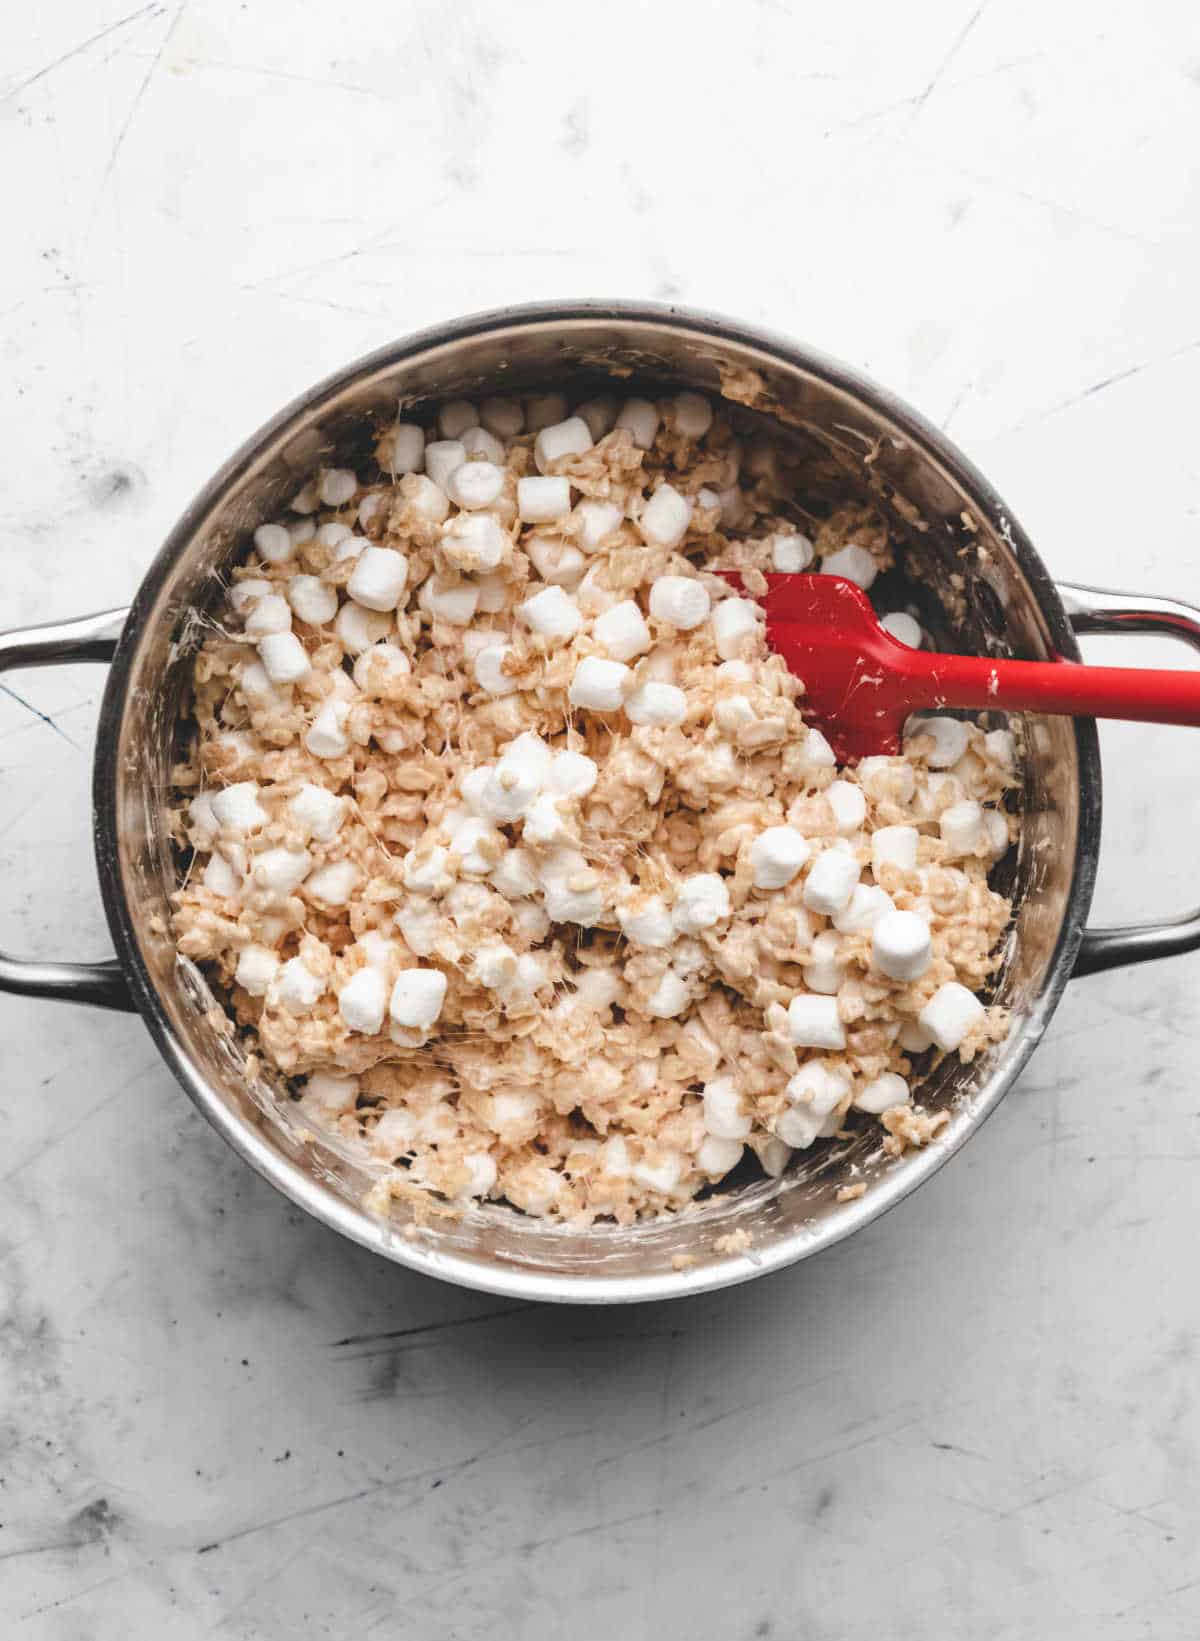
(153, 10)
(38, 713)
(425, 1328)
(66, 1600)
(1106, 382)
(959, 42)
(115, 151)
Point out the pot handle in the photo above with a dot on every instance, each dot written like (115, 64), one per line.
(1094, 610)
(88, 638)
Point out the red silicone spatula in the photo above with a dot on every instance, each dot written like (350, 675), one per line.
(861, 683)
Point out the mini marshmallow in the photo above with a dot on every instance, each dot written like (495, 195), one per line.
(903, 628)
(475, 542)
(203, 824)
(543, 410)
(855, 563)
(831, 882)
(1001, 747)
(950, 738)
(734, 620)
(562, 439)
(277, 872)
(572, 774)
(849, 805)
(503, 417)
(867, 905)
(693, 415)
(417, 998)
(331, 534)
(494, 965)
(318, 811)
(718, 1157)
(622, 631)
(600, 414)
(592, 598)
(950, 1015)
(269, 615)
(531, 975)
(814, 1092)
(273, 544)
(913, 1039)
(362, 1001)
(407, 451)
(551, 614)
(641, 418)
(219, 878)
(824, 973)
(427, 500)
(773, 1154)
(302, 530)
(680, 601)
(455, 417)
(296, 988)
(962, 827)
(476, 484)
(358, 628)
(312, 600)
(480, 444)
(425, 870)
(818, 754)
(882, 777)
(882, 1093)
(900, 946)
(284, 658)
(514, 876)
(420, 923)
(597, 521)
(776, 855)
(659, 705)
(542, 501)
(393, 1135)
(790, 554)
(244, 593)
(379, 578)
(489, 670)
(326, 737)
(443, 458)
(333, 885)
(379, 665)
(330, 1094)
(895, 846)
(814, 1022)
(481, 1174)
(995, 831)
(662, 1176)
(646, 920)
(575, 899)
(556, 560)
(370, 505)
(493, 593)
(306, 499)
(455, 605)
(669, 998)
(702, 900)
(598, 685)
(665, 517)
(338, 484)
(511, 787)
(257, 966)
(237, 808)
(724, 1118)
(478, 847)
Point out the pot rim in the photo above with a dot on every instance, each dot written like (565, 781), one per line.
(352, 1220)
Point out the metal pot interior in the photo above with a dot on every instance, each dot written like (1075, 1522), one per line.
(979, 585)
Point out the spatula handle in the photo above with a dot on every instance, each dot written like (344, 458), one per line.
(1142, 694)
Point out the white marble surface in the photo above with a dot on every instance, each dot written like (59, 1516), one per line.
(979, 1418)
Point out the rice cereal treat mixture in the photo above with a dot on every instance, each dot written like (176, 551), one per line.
(509, 845)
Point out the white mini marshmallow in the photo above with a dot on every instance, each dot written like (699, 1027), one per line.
(567, 903)
(592, 598)
(562, 439)
(494, 965)
(718, 1157)
(362, 1001)
(515, 876)
(326, 736)
(831, 882)
(776, 855)
(455, 417)
(734, 620)
(443, 458)
(669, 998)
(995, 831)
(456, 605)
(503, 417)
(904, 629)
(476, 484)
(814, 1022)
(951, 1013)
(849, 805)
(269, 615)
(723, 1114)
(219, 878)
(543, 500)
(912, 1038)
(680, 601)
(358, 627)
(572, 774)
(882, 1093)
(334, 884)
(338, 484)
(659, 705)
(543, 410)
(600, 414)
(814, 1092)
(475, 542)
(551, 613)
(379, 578)
(665, 517)
(693, 415)
(425, 870)
(895, 846)
(318, 811)
(370, 505)
(479, 443)
(824, 973)
(597, 521)
(512, 786)
(203, 824)
(380, 665)
(427, 500)
(962, 827)
(257, 966)
(641, 418)
(477, 846)
(330, 1094)
(489, 670)
(900, 946)
(393, 1135)
(284, 658)
(244, 593)
(867, 905)
(661, 1176)
(237, 808)
(818, 754)
(950, 738)
(302, 530)
(702, 900)
(646, 920)
(277, 872)
(417, 998)
(556, 560)
(481, 1175)
(773, 1154)
(407, 453)
(792, 553)
(333, 533)
(599, 685)
(421, 923)
(1001, 747)
(296, 988)
(312, 600)
(855, 563)
(622, 631)
(273, 544)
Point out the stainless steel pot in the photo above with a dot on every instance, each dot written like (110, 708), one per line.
(1003, 602)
